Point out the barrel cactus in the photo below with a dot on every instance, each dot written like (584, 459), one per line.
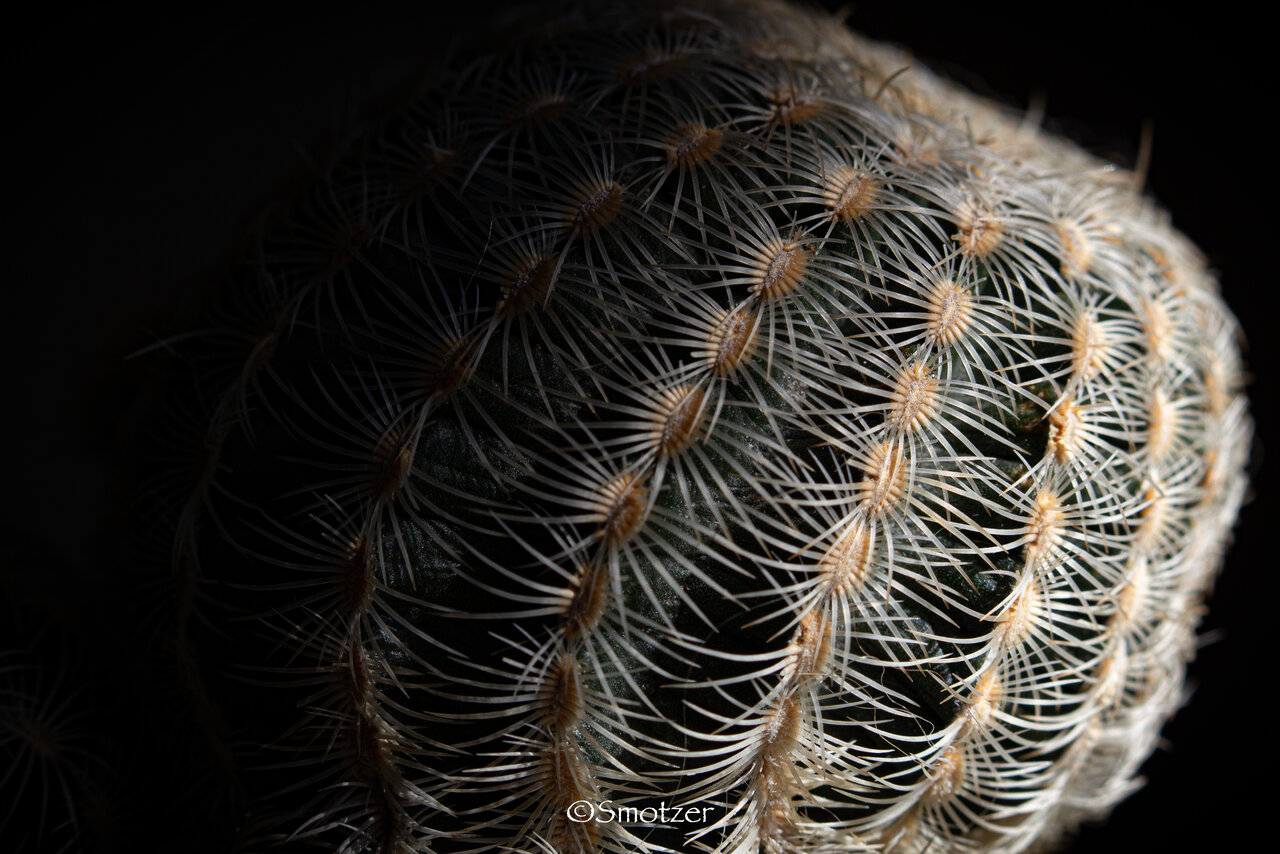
(691, 426)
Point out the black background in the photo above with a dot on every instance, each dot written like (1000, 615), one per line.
(139, 145)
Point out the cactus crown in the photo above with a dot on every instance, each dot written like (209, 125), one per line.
(686, 405)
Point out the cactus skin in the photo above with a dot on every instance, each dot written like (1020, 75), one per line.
(705, 419)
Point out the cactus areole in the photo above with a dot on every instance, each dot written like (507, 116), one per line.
(694, 427)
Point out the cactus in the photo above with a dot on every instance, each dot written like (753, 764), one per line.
(685, 409)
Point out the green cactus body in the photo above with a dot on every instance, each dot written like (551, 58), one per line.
(681, 407)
